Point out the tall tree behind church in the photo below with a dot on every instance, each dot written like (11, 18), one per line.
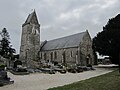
(6, 49)
(107, 42)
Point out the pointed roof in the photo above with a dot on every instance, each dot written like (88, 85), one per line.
(32, 18)
(64, 42)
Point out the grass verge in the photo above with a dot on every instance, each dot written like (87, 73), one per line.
(109, 81)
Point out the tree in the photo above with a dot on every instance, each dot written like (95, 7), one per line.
(6, 49)
(107, 42)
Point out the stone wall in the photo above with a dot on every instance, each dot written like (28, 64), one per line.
(58, 55)
(30, 42)
(86, 50)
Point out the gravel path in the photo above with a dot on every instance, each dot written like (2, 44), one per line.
(40, 81)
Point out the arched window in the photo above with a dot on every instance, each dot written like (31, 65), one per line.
(51, 54)
(41, 55)
(44, 56)
(55, 55)
(71, 54)
(63, 57)
(77, 52)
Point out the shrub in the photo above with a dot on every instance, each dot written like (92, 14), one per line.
(1, 84)
(2, 67)
(89, 65)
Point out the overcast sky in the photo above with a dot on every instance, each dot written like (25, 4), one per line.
(58, 18)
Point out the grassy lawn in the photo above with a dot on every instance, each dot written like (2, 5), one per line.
(109, 81)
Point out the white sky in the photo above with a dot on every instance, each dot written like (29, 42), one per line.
(58, 18)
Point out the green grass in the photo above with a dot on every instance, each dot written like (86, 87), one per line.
(109, 81)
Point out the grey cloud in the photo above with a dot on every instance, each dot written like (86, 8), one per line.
(58, 18)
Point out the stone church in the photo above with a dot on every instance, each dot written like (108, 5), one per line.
(73, 49)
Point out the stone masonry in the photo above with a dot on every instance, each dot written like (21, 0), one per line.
(30, 41)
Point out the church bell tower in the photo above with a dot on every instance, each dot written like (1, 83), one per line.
(30, 41)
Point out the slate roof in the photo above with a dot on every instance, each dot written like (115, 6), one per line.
(64, 42)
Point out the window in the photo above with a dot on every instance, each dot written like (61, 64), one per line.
(71, 54)
(77, 52)
(51, 54)
(88, 46)
(44, 56)
(55, 55)
(41, 55)
(63, 57)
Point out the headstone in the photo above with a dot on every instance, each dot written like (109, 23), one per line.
(4, 79)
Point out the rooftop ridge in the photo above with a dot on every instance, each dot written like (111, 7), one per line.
(64, 42)
(68, 36)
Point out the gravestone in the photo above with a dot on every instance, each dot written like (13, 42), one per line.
(4, 79)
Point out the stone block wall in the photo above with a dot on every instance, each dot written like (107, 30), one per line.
(86, 50)
(69, 53)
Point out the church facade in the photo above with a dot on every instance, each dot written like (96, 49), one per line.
(73, 49)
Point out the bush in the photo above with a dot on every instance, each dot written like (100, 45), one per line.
(89, 65)
(2, 67)
(1, 84)
(72, 70)
(55, 63)
(63, 71)
(78, 70)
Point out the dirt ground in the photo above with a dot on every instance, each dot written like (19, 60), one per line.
(40, 81)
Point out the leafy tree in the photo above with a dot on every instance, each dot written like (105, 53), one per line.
(107, 42)
(6, 49)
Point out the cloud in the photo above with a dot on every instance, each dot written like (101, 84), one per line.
(58, 18)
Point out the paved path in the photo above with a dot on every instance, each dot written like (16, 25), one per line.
(39, 81)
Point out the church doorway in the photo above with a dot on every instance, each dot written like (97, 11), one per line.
(88, 59)
(76, 57)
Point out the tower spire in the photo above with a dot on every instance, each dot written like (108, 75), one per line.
(32, 18)
(34, 10)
